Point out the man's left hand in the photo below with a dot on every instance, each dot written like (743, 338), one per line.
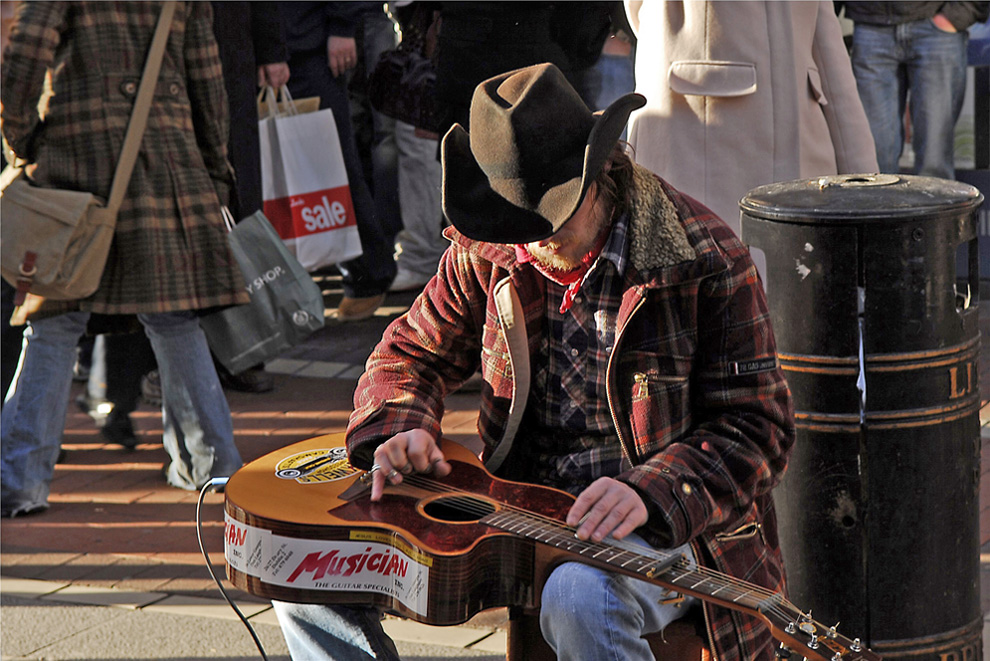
(608, 506)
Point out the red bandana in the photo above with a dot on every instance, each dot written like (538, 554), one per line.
(571, 279)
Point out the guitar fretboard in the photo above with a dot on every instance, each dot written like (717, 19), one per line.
(668, 569)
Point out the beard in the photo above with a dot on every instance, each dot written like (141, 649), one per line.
(554, 257)
(566, 250)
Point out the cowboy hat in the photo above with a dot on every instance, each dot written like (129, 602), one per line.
(533, 151)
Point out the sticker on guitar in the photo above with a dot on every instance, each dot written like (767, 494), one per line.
(316, 466)
(361, 565)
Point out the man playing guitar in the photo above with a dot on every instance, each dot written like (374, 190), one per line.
(623, 338)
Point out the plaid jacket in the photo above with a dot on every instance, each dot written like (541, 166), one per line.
(170, 249)
(702, 408)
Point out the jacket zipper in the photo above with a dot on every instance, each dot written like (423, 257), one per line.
(609, 372)
(744, 531)
(643, 379)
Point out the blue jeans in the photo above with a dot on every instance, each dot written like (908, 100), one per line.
(198, 433)
(614, 613)
(919, 66)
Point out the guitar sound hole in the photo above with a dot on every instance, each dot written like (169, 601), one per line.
(458, 509)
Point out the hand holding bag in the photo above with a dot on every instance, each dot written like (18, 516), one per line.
(304, 185)
(54, 243)
(286, 304)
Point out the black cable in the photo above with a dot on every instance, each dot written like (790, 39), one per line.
(217, 484)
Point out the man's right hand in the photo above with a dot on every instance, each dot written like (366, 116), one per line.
(341, 54)
(414, 451)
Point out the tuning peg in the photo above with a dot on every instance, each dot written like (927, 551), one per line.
(857, 645)
(791, 628)
(782, 652)
(813, 644)
(806, 617)
(833, 631)
(836, 657)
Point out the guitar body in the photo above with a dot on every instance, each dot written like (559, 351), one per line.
(301, 538)
(300, 526)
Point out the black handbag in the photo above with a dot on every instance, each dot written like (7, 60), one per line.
(403, 86)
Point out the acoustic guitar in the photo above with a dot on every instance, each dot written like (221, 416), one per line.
(300, 526)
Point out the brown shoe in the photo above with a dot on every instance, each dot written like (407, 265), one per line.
(356, 309)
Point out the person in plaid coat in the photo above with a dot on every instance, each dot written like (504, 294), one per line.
(623, 338)
(170, 257)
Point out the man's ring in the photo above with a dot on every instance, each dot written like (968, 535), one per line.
(392, 474)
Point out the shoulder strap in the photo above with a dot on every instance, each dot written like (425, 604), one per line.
(142, 105)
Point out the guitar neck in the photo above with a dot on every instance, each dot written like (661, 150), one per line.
(796, 630)
(670, 570)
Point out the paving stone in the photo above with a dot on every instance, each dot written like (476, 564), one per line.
(267, 616)
(320, 369)
(497, 642)
(201, 607)
(285, 365)
(415, 632)
(27, 587)
(97, 596)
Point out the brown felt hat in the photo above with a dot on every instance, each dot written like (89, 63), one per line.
(533, 151)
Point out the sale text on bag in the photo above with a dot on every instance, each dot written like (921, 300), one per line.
(296, 216)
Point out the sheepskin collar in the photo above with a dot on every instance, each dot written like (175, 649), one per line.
(657, 238)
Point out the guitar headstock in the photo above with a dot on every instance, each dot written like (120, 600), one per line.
(801, 636)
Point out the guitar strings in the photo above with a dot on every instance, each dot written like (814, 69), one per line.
(468, 503)
(781, 607)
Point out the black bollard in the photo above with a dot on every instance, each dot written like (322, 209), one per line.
(879, 339)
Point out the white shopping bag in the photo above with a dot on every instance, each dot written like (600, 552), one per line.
(304, 185)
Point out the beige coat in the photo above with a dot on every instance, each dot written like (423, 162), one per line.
(741, 94)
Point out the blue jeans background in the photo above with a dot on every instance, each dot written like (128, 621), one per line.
(615, 611)
(198, 433)
(918, 65)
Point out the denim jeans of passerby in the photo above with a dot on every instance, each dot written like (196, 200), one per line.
(420, 244)
(918, 66)
(372, 272)
(586, 613)
(198, 431)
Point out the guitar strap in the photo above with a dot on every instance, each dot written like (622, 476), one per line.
(510, 314)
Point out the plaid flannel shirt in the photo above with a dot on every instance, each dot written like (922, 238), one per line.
(573, 436)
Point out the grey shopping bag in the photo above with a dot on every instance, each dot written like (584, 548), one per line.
(286, 304)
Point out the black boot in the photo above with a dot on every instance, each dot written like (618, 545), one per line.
(119, 429)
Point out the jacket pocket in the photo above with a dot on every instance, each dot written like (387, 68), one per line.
(744, 551)
(712, 78)
(660, 396)
(815, 85)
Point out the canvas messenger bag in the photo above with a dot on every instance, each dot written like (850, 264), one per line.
(54, 242)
